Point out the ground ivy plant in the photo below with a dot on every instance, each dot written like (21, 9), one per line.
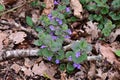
(104, 12)
(53, 30)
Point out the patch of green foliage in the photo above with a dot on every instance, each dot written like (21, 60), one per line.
(117, 52)
(104, 12)
(29, 21)
(53, 31)
(2, 8)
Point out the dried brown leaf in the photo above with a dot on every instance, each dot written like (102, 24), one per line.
(51, 70)
(16, 67)
(92, 29)
(91, 72)
(77, 7)
(28, 63)
(101, 75)
(107, 53)
(39, 69)
(17, 37)
(114, 35)
(49, 7)
(2, 38)
(63, 76)
(26, 71)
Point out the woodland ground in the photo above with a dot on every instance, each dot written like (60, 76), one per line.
(16, 34)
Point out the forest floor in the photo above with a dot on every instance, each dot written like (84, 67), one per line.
(15, 34)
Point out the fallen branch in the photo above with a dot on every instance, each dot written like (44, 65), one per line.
(31, 52)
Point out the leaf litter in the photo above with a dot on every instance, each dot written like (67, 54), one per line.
(31, 67)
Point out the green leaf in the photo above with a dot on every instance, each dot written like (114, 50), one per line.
(114, 16)
(40, 53)
(108, 28)
(68, 54)
(88, 48)
(104, 1)
(29, 21)
(47, 39)
(66, 2)
(117, 52)
(99, 3)
(62, 67)
(37, 43)
(91, 17)
(46, 53)
(100, 26)
(45, 20)
(58, 32)
(84, 1)
(97, 17)
(61, 7)
(61, 16)
(53, 22)
(38, 29)
(64, 27)
(60, 55)
(80, 59)
(55, 13)
(104, 10)
(34, 3)
(55, 46)
(116, 4)
(92, 7)
(75, 46)
(83, 44)
(70, 67)
(2, 8)
(43, 4)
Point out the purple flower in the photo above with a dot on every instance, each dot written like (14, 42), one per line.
(75, 65)
(70, 58)
(49, 58)
(54, 37)
(57, 61)
(43, 46)
(78, 66)
(67, 36)
(69, 31)
(67, 9)
(50, 16)
(56, 2)
(51, 27)
(77, 54)
(59, 21)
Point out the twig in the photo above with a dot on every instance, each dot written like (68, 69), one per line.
(10, 10)
(32, 52)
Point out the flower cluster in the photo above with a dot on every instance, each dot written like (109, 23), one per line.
(75, 65)
(54, 30)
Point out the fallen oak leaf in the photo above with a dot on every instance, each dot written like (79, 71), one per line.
(16, 67)
(92, 29)
(27, 71)
(77, 7)
(107, 53)
(114, 35)
(39, 69)
(17, 37)
(2, 38)
(49, 7)
(91, 72)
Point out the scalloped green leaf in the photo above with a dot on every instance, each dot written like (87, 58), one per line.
(29, 21)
